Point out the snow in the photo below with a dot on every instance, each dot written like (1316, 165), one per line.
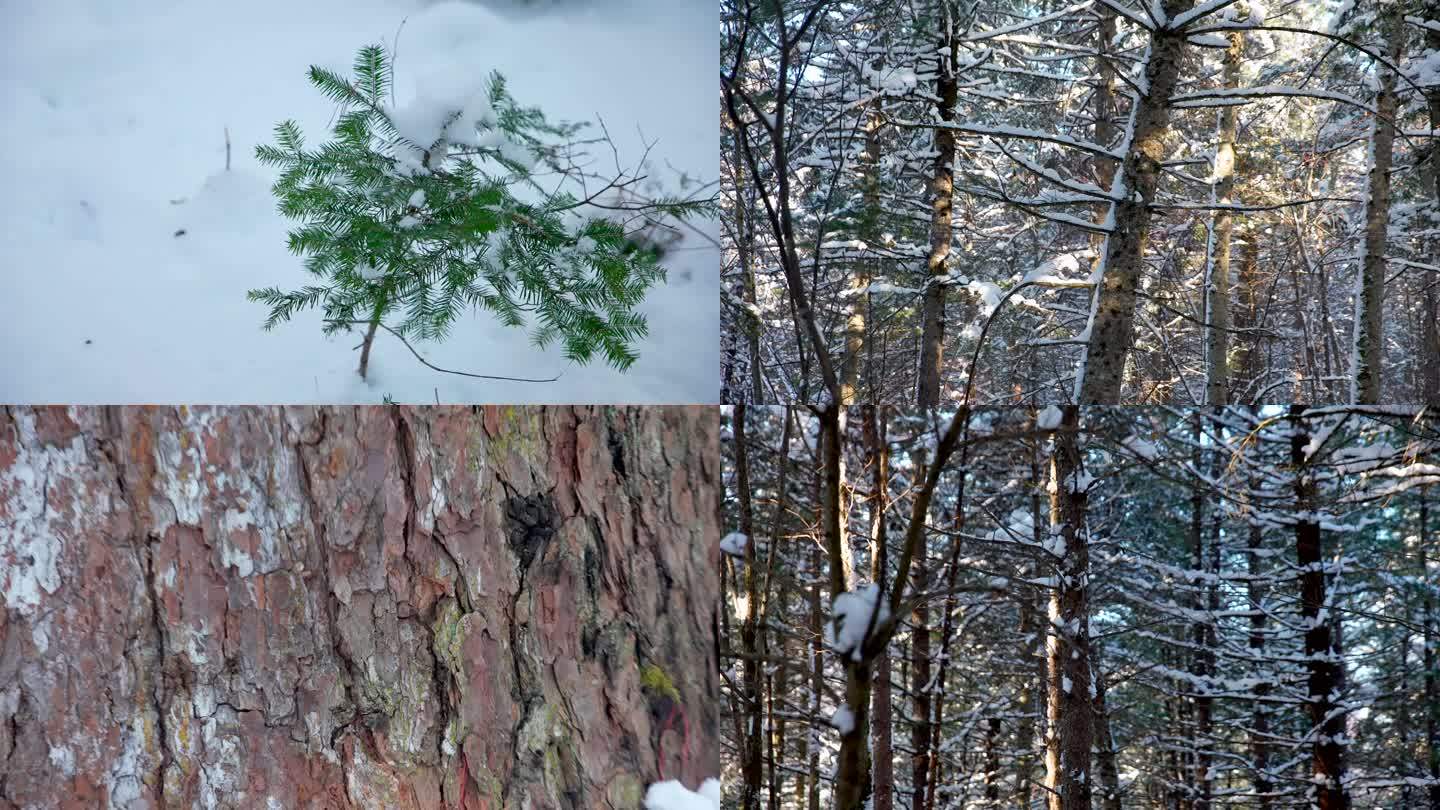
(1049, 418)
(850, 619)
(1051, 273)
(843, 720)
(672, 795)
(989, 295)
(734, 544)
(115, 112)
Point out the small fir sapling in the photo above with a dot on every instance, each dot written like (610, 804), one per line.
(412, 215)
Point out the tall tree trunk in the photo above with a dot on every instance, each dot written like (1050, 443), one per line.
(1247, 355)
(745, 235)
(1034, 679)
(1202, 657)
(920, 699)
(880, 728)
(852, 777)
(947, 629)
(1217, 282)
(1370, 289)
(1106, 772)
(942, 190)
(1322, 651)
(1260, 711)
(361, 607)
(811, 796)
(1102, 169)
(777, 688)
(1430, 379)
(1112, 324)
(1429, 639)
(860, 287)
(1071, 726)
(1031, 636)
(750, 759)
(992, 762)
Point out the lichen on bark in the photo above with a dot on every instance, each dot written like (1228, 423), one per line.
(355, 607)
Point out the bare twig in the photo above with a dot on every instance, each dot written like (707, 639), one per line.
(427, 363)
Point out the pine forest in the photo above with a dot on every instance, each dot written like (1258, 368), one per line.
(1080, 607)
(1141, 202)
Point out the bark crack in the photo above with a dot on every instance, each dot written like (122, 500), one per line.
(158, 687)
(329, 599)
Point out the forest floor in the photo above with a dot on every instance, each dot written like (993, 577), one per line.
(115, 112)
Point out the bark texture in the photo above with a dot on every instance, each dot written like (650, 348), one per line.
(942, 198)
(1112, 330)
(1370, 292)
(356, 607)
(1326, 677)
(1217, 289)
(1071, 720)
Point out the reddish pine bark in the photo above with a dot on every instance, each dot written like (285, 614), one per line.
(337, 608)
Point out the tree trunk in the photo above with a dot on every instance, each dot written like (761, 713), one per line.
(1370, 292)
(1247, 356)
(1260, 713)
(1429, 639)
(745, 234)
(920, 700)
(1322, 652)
(1217, 282)
(1071, 726)
(947, 631)
(860, 287)
(992, 763)
(1430, 378)
(1031, 635)
(942, 190)
(370, 338)
(1113, 319)
(750, 756)
(1107, 774)
(817, 685)
(1202, 661)
(880, 728)
(372, 607)
(852, 776)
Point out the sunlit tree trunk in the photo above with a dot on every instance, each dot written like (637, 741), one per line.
(1113, 324)
(1071, 726)
(1217, 282)
(942, 190)
(1370, 289)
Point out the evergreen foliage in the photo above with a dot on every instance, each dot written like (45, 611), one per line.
(412, 234)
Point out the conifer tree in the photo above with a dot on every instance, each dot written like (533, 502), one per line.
(411, 215)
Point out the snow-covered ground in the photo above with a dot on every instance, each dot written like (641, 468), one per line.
(113, 111)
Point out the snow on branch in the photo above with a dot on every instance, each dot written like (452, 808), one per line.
(1268, 91)
(1129, 14)
(853, 619)
(1029, 23)
(1005, 131)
